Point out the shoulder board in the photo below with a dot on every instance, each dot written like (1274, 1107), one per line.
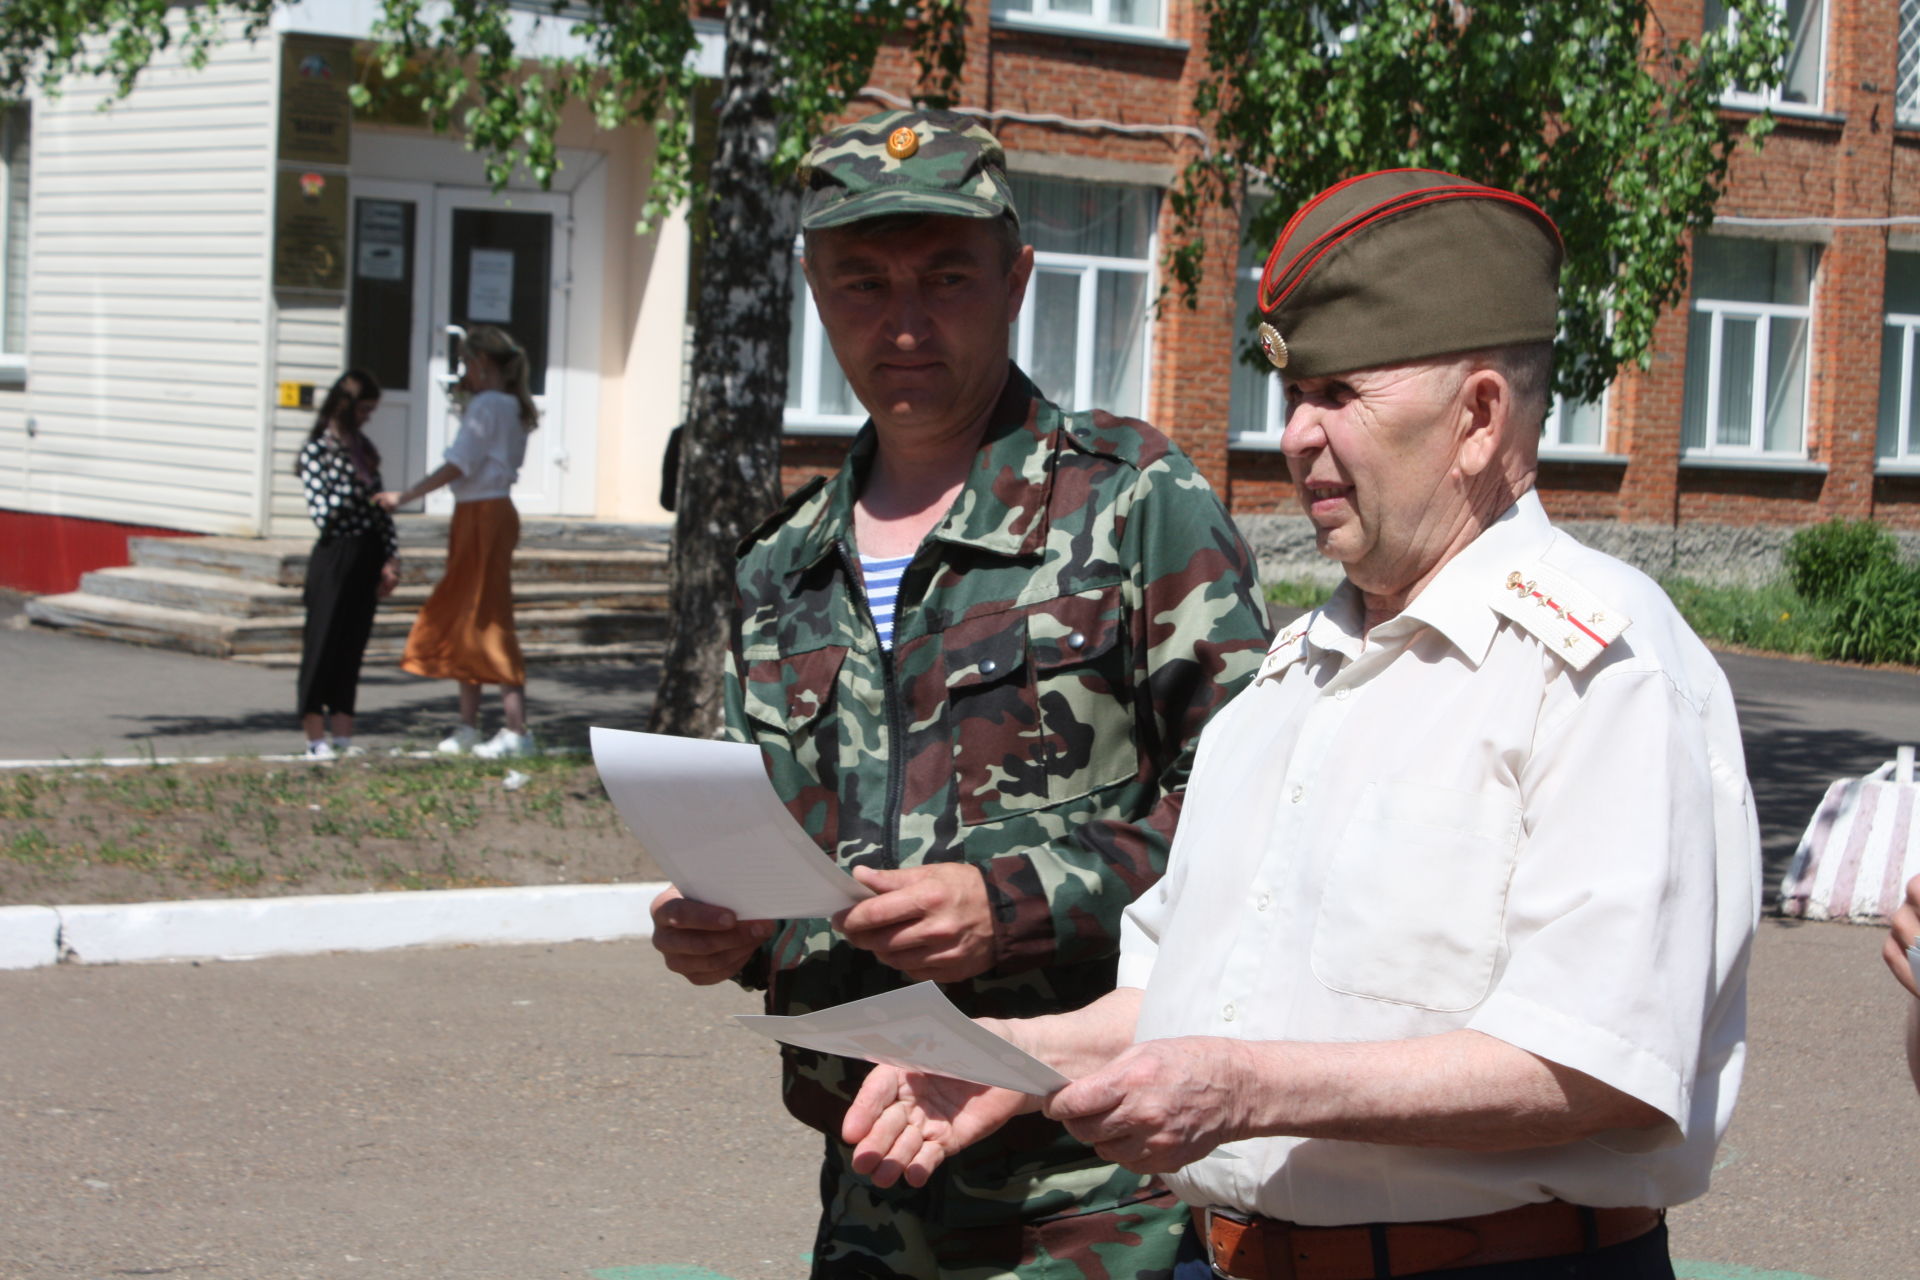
(1569, 620)
(781, 514)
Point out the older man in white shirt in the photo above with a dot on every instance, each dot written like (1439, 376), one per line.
(1448, 971)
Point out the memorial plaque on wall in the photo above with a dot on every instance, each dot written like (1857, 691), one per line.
(316, 115)
(310, 231)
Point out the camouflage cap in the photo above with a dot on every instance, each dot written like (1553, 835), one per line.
(1405, 264)
(905, 162)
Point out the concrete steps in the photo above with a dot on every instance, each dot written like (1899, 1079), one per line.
(591, 593)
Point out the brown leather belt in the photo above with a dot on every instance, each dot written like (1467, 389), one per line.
(1267, 1249)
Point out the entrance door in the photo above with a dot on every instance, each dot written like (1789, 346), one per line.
(386, 322)
(503, 261)
(429, 262)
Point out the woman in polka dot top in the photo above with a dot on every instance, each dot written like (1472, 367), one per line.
(355, 561)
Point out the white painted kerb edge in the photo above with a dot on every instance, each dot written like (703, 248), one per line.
(29, 937)
(246, 928)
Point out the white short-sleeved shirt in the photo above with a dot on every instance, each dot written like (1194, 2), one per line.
(489, 448)
(1520, 807)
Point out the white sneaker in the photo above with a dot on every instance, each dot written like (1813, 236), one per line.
(461, 741)
(504, 744)
(346, 750)
(321, 749)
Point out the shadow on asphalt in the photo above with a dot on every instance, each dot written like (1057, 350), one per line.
(565, 700)
(1790, 766)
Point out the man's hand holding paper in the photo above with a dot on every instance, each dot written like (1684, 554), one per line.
(703, 943)
(932, 922)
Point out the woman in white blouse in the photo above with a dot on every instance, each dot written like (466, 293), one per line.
(465, 630)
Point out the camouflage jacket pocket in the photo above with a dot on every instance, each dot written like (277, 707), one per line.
(786, 698)
(789, 691)
(1042, 703)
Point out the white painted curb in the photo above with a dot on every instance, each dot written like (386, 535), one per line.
(247, 928)
(29, 937)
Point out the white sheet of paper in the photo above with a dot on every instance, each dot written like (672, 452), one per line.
(915, 1027)
(490, 285)
(708, 815)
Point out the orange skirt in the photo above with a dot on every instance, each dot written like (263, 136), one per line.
(465, 630)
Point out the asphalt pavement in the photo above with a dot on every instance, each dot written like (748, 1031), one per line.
(77, 697)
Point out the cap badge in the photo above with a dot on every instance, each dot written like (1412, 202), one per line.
(902, 143)
(1273, 344)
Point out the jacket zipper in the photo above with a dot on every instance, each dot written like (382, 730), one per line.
(896, 721)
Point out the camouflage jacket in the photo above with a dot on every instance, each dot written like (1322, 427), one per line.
(1059, 640)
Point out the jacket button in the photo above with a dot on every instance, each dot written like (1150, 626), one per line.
(1077, 640)
(988, 667)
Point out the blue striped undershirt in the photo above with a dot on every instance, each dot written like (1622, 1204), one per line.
(882, 580)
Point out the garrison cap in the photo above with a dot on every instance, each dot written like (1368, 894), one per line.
(1405, 264)
(912, 161)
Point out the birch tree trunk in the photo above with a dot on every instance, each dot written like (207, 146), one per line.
(730, 445)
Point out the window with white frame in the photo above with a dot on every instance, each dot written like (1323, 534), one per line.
(15, 188)
(1575, 426)
(1906, 99)
(1747, 339)
(1144, 17)
(1899, 350)
(818, 395)
(1257, 404)
(1083, 335)
(1805, 70)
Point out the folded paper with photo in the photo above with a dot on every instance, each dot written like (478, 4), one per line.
(708, 815)
(916, 1028)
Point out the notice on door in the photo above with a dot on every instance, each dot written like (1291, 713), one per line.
(381, 237)
(490, 285)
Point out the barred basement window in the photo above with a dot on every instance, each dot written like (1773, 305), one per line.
(1906, 100)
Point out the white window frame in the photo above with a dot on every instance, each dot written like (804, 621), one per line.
(1769, 99)
(1762, 313)
(13, 364)
(1906, 437)
(1267, 434)
(1089, 268)
(1551, 443)
(1042, 14)
(806, 418)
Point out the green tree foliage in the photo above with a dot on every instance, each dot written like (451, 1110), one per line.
(1589, 107)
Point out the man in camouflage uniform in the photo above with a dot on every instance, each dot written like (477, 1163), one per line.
(1006, 772)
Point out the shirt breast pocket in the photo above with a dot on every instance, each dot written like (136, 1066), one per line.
(1042, 705)
(786, 698)
(1415, 899)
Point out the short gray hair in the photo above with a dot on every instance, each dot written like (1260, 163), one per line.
(1528, 369)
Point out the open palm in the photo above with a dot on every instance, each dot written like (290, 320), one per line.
(905, 1123)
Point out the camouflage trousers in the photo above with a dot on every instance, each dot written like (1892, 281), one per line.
(997, 1218)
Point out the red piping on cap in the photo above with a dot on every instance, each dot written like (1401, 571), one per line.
(1386, 208)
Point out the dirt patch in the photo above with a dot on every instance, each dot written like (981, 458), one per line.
(249, 828)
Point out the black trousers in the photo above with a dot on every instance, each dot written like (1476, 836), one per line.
(1642, 1258)
(343, 585)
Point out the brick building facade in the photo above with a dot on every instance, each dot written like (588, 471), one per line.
(1784, 391)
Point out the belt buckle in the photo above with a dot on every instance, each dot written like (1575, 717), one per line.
(1231, 1215)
